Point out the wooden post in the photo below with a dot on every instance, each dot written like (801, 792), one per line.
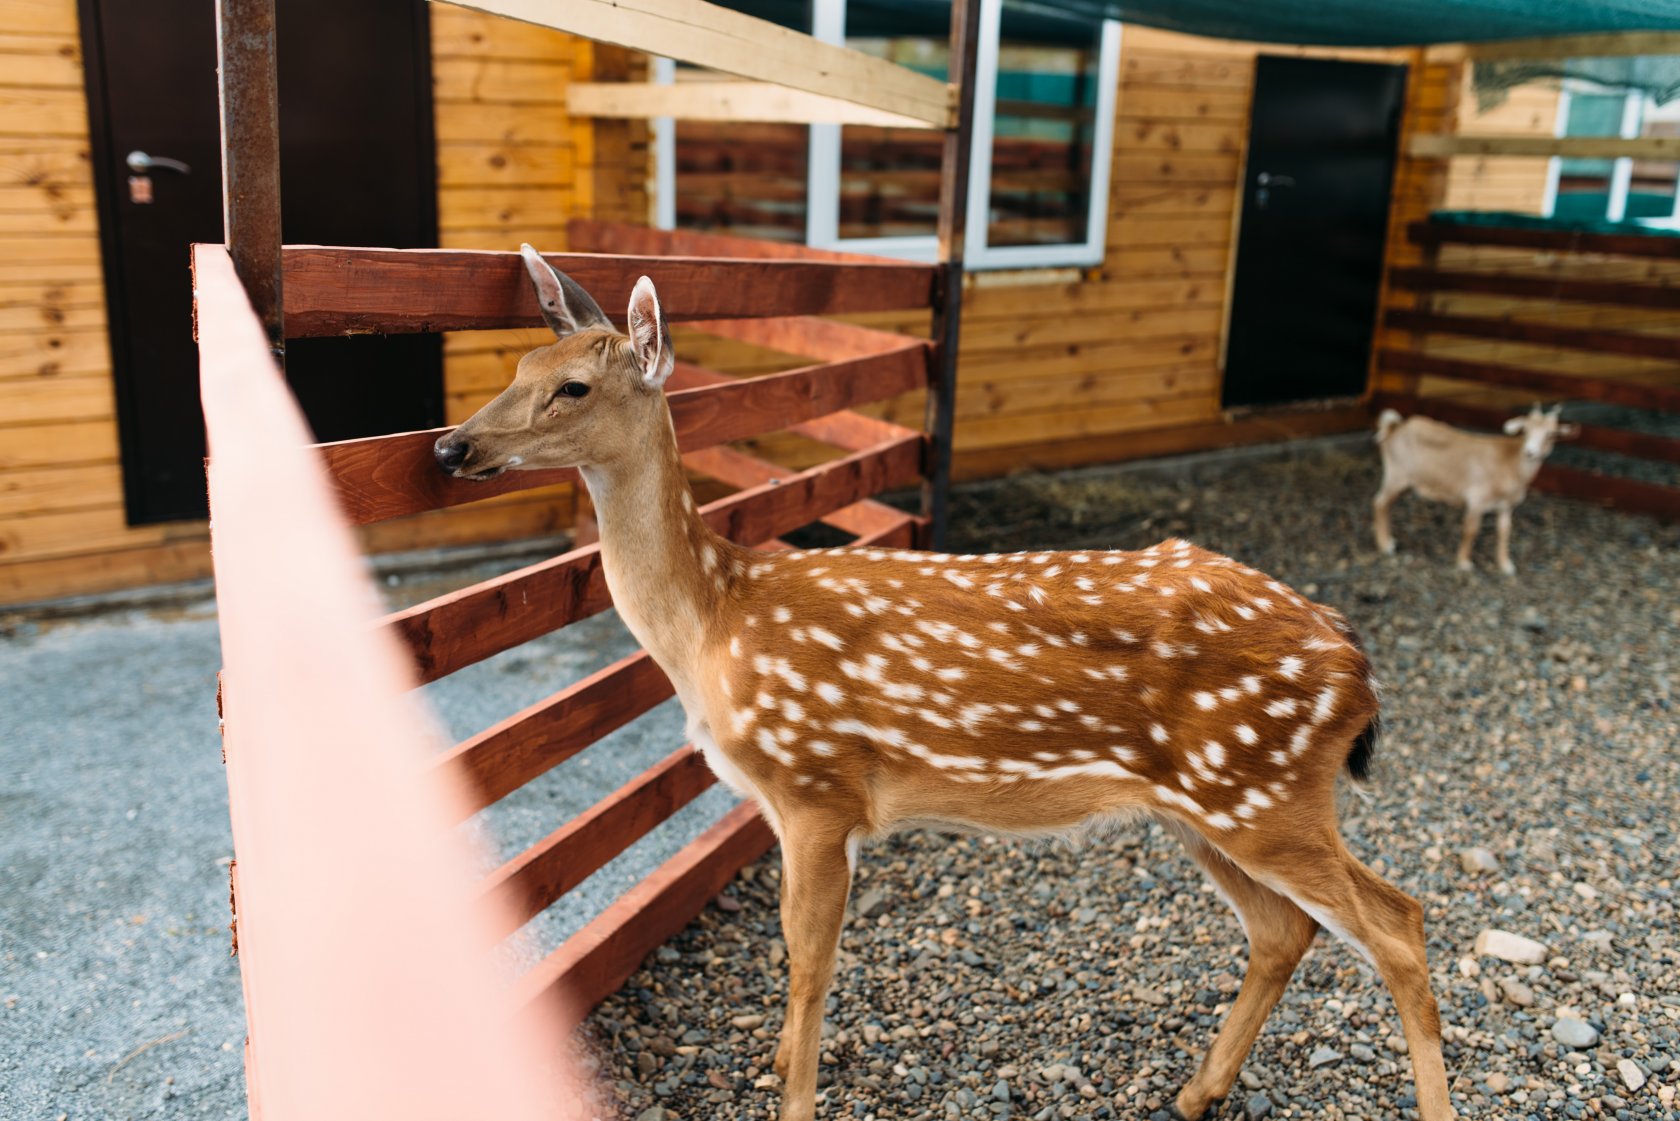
(947, 309)
(250, 113)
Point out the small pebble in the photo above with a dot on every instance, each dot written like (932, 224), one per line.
(1575, 1033)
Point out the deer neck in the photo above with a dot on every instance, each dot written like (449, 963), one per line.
(667, 571)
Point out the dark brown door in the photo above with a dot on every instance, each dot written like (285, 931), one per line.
(1316, 189)
(357, 168)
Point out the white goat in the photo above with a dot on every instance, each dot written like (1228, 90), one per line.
(1480, 472)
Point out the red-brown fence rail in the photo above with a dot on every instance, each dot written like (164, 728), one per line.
(764, 295)
(1508, 316)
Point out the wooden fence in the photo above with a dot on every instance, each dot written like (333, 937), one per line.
(1507, 316)
(763, 294)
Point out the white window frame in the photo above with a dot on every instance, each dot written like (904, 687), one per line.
(822, 229)
(1621, 173)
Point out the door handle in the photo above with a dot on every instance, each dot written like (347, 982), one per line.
(140, 163)
(1267, 179)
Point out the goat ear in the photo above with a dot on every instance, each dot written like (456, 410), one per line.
(1515, 424)
(650, 336)
(566, 307)
(1568, 431)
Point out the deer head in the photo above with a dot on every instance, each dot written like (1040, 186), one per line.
(578, 402)
(1540, 429)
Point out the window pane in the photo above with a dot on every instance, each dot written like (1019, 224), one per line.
(746, 179)
(1045, 121)
(1652, 189)
(1584, 185)
(889, 177)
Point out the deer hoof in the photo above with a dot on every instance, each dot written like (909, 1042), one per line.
(1508, 568)
(1466, 566)
(1188, 1108)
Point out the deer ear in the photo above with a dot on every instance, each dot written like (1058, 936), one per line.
(566, 307)
(1515, 424)
(650, 336)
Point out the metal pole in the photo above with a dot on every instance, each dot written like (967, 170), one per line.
(947, 311)
(250, 108)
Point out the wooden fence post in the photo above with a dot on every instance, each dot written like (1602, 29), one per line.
(250, 113)
(947, 309)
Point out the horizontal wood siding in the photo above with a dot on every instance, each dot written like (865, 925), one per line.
(512, 167)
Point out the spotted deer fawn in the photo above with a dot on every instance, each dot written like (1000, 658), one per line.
(1479, 472)
(851, 692)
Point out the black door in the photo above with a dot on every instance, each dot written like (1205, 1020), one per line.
(1320, 168)
(357, 168)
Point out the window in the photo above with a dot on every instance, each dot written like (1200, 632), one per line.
(1614, 189)
(1038, 188)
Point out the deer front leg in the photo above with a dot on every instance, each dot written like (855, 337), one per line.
(816, 877)
(1503, 523)
(1467, 539)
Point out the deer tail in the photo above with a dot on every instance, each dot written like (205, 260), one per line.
(1386, 423)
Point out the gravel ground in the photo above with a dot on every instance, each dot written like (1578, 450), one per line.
(118, 999)
(1527, 784)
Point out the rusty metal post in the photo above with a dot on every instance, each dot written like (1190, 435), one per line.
(250, 110)
(947, 311)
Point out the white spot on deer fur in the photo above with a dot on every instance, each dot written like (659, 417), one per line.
(1280, 758)
(829, 692)
(1124, 636)
(735, 647)
(1200, 585)
(1148, 563)
(767, 744)
(1030, 726)
(1284, 707)
(1215, 754)
(1290, 667)
(793, 711)
(827, 637)
(1259, 799)
(1045, 711)
(1097, 768)
(1325, 705)
(1245, 612)
(886, 737)
(1251, 684)
(1247, 735)
(1203, 700)
(938, 720)
(1299, 741)
(1229, 694)
(781, 614)
(1172, 797)
(820, 747)
(1037, 594)
(1221, 821)
(1157, 733)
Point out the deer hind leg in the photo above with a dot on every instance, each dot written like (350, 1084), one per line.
(1279, 933)
(816, 878)
(1386, 926)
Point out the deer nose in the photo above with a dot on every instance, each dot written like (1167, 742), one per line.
(451, 453)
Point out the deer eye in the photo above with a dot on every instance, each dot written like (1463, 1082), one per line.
(574, 389)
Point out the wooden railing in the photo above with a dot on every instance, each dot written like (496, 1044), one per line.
(1506, 316)
(764, 294)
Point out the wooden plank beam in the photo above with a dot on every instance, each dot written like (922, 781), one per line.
(1437, 145)
(1619, 293)
(1597, 340)
(1632, 495)
(383, 477)
(724, 101)
(1612, 44)
(595, 961)
(708, 35)
(527, 884)
(471, 624)
(589, 235)
(1556, 241)
(1609, 391)
(334, 290)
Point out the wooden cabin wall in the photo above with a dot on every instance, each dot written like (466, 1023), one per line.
(1062, 368)
(511, 166)
(1479, 183)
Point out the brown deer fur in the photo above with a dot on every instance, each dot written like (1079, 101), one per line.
(851, 692)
